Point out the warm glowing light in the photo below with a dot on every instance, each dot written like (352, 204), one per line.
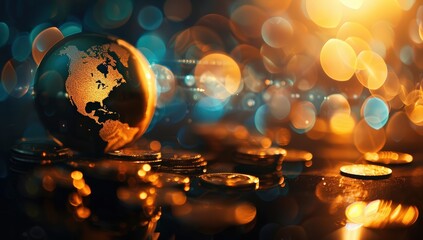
(141, 173)
(358, 44)
(142, 195)
(303, 115)
(353, 29)
(83, 212)
(389, 157)
(283, 136)
(244, 213)
(155, 145)
(319, 130)
(277, 32)
(146, 167)
(353, 4)
(48, 183)
(266, 142)
(218, 75)
(178, 198)
(367, 139)
(75, 199)
(371, 70)
(338, 59)
(76, 175)
(333, 104)
(381, 214)
(85, 190)
(44, 41)
(78, 184)
(324, 13)
(390, 88)
(149, 201)
(342, 123)
(406, 4)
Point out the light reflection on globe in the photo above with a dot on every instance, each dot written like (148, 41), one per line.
(95, 93)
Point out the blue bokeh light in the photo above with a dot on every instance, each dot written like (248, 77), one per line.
(155, 45)
(150, 18)
(4, 33)
(70, 28)
(260, 118)
(375, 112)
(208, 110)
(21, 47)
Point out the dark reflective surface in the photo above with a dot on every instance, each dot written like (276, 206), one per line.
(118, 200)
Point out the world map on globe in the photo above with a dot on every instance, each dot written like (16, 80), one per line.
(89, 88)
(95, 91)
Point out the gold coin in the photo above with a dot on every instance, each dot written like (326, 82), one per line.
(236, 181)
(365, 171)
(135, 154)
(388, 157)
(262, 152)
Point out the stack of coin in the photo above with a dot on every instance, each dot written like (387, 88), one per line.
(30, 152)
(266, 164)
(135, 155)
(186, 163)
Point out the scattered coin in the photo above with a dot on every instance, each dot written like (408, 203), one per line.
(182, 158)
(365, 171)
(135, 154)
(42, 151)
(262, 152)
(235, 181)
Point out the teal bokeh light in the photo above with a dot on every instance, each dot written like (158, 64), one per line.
(375, 112)
(150, 18)
(4, 33)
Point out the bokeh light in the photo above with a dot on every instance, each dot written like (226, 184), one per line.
(342, 123)
(44, 41)
(375, 112)
(247, 27)
(4, 33)
(303, 115)
(325, 13)
(219, 75)
(353, 4)
(111, 14)
(150, 44)
(165, 83)
(368, 139)
(70, 28)
(16, 77)
(177, 10)
(332, 104)
(354, 29)
(150, 18)
(371, 70)
(21, 48)
(277, 32)
(338, 59)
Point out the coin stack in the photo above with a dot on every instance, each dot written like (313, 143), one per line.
(186, 163)
(30, 152)
(266, 164)
(141, 156)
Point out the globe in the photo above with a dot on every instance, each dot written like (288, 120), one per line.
(94, 93)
